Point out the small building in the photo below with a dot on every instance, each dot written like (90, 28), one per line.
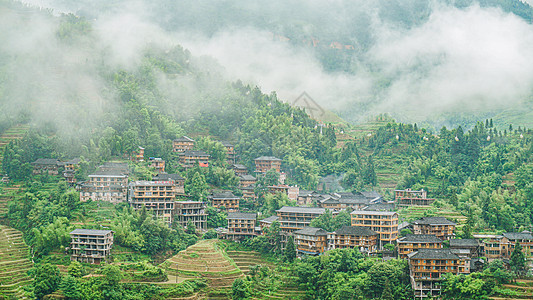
(248, 193)
(138, 155)
(361, 238)
(191, 211)
(383, 222)
(524, 238)
(246, 181)
(408, 193)
(266, 222)
(240, 170)
(241, 225)
(413, 242)
(472, 246)
(265, 163)
(426, 267)
(230, 152)
(293, 218)
(110, 186)
(190, 159)
(305, 197)
(225, 200)
(290, 191)
(439, 226)
(380, 207)
(157, 196)
(48, 166)
(494, 246)
(182, 144)
(408, 202)
(310, 241)
(69, 170)
(91, 246)
(157, 163)
(179, 182)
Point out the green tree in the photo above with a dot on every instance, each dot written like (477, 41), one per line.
(289, 253)
(46, 279)
(196, 187)
(518, 260)
(71, 288)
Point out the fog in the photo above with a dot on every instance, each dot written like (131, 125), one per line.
(413, 59)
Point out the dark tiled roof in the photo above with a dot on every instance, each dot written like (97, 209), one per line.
(518, 236)
(311, 231)
(434, 221)
(355, 230)
(247, 177)
(226, 144)
(372, 194)
(419, 238)
(380, 207)
(370, 212)
(184, 139)
(300, 209)
(46, 161)
(224, 195)
(433, 254)
(269, 219)
(242, 216)
(108, 173)
(238, 167)
(90, 231)
(464, 243)
(305, 193)
(194, 153)
(272, 158)
(174, 177)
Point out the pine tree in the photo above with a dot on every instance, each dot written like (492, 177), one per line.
(290, 250)
(518, 260)
(490, 123)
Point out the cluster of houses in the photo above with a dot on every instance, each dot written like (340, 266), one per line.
(431, 249)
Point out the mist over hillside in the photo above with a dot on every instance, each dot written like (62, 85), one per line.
(436, 63)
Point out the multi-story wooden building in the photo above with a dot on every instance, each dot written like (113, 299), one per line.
(439, 226)
(246, 181)
(383, 222)
(138, 155)
(408, 193)
(241, 225)
(183, 144)
(157, 163)
(413, 242)
(240, 170)
(191, 211)
(292, 218)
(230, 152)
(157, 196)
(91, 246)
(524, 238)
(266, 222)
(427, 266)
(310, 241)
(225, 200)
(361, 238)
(248, 193)
(69, 170)
(338, 201)
(264, 163)
(110, 186)
(290, 191)
(472, 246)
(48, 166)
(190, 159)
(305, 197)
(179, 182)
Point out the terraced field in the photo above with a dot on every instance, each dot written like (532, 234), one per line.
(521, 289)
(286, 287)
(205, 260)
(14, 263)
